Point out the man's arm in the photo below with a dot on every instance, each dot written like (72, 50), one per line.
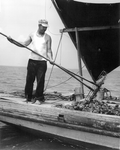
(49, 50)
(27, 41)
(21, 43)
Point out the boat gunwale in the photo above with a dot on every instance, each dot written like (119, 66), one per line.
(65, 125)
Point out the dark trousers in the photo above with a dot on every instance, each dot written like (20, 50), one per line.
(35, 70)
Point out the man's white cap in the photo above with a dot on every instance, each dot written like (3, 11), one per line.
(43, 22)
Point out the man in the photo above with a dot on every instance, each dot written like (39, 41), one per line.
(40, 43)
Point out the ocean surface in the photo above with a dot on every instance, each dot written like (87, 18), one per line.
(12, 80)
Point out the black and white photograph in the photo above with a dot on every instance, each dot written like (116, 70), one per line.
(59, 75)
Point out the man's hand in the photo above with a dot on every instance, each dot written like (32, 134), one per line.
(51, 62)
(10, 39)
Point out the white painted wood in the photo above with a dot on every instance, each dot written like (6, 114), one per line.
(67, 133)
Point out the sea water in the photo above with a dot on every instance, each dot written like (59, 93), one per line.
(12, 80)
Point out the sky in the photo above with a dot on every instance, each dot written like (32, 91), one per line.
(19, 18)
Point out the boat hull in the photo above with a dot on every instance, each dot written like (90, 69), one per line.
(57, 122)
(66, 134)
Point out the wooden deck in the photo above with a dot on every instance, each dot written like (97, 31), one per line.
(99, 129)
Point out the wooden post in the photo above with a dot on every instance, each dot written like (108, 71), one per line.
(79, 60)
(79, 54)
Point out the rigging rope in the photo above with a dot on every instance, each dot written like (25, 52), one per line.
(54, 61)
(63, 81)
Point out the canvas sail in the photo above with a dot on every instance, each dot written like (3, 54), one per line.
(99, 44)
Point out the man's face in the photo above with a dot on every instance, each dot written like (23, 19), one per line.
(42, 29)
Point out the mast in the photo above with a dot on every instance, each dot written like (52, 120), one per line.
(79, 54)
(79, 59)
